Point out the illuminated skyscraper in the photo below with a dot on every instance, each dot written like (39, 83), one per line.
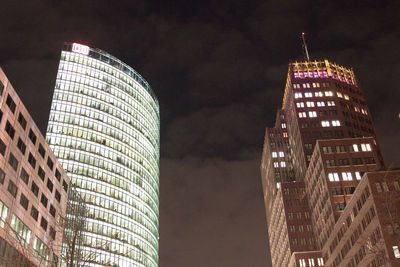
(104, 128)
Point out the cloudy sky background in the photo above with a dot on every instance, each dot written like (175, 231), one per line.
(219, 71)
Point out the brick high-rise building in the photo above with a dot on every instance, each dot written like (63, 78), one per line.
(322, 144)
(33, 188)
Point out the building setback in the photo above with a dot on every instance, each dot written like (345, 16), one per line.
(33, 188)
(313, 159)
(104, 127)
(368, 232)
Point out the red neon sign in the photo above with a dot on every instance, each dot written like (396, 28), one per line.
(81, 49)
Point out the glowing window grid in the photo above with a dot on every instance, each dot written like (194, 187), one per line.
(104, 129)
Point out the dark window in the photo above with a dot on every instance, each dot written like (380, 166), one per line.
(50, 185)
(32, 160)
(1, 87)
(32, 136)
(340, 149)
(34, 189)
(10, 103)
(44, 200)
(58, 175)
(24, 176)
(21, 145)
(41, 173)
(2, 147)
(12, 188)
(349, 190)
(13, 161)
(10, 130)
(58, 196)
(22, 120)
(330, 162)
(24, 201)
(343, 162)
(34, 213)
(369, 160)
(337, 191)
(357, 161)
(65, 186)
(50, 163)
(43, 223)
(41, 150)
(1, 115)
(52, 211)
(340, 206)
(53, 236)
(2, 176)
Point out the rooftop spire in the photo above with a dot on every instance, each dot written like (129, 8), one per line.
(305, 46)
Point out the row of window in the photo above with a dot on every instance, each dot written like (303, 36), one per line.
(334, 123)
(307, 85)
(346, 176)
(282, 164)
(311, 104)
(383, 186)
(346, 162)
(275, 154)
(311, 262)
(351, 148)
(300, 228)
(299, 215)
(303, 241)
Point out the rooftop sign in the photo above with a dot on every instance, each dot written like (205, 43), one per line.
(81, 49)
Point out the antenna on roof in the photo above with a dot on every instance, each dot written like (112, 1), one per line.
(305, 46)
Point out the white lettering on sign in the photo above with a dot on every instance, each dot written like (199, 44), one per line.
(81, 49)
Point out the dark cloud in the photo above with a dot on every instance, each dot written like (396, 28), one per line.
(203, 204)
(219, 71)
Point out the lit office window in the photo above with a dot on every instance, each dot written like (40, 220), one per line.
(298, 95)
(308, 94)
(312, 114)
(302, 115)
(396, 252)
(355, 148)
(325, 124)
(310, 104)
(347, 176)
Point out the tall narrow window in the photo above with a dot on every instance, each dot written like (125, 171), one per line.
(10, 103)
(10, 130)
(22, 120)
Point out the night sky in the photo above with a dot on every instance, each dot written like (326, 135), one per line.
(219, 70)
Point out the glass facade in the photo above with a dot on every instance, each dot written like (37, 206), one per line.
(104, 128)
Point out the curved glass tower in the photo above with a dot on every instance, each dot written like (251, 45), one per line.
(104, 127)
